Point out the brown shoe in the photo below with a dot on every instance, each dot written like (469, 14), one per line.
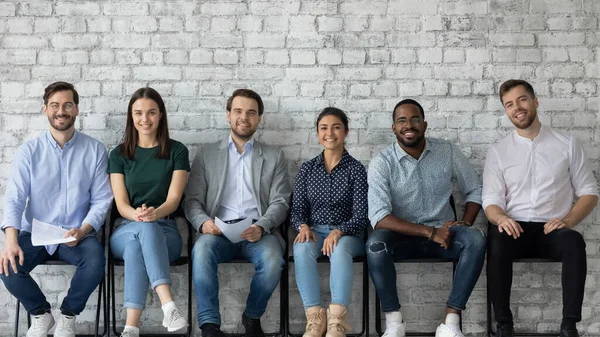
(315, 322)
(336, 321)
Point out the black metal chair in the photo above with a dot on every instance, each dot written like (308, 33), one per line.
(183, 260)
(102, 299)
(364, 331)
(378, 327)
(490, 316)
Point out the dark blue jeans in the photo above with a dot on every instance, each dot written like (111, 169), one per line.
(87, 256)
(210, 250)
(467, 245)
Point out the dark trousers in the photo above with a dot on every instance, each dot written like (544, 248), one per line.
(564, 245)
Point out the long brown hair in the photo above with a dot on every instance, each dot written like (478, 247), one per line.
(130, 138)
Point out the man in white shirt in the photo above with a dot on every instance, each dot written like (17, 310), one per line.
(530, 181)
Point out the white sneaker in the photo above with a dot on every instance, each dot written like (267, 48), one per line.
(130, 333)
(448, 330)
(174, 320)
(394, 327)
(40, 325)
(65, 327)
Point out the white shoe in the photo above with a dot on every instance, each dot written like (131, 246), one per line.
(40, 325)
(129, 333)
(174, 320)
(65, 327)
(448, 330)
(394, 327)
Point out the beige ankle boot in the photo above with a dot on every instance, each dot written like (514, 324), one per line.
(315, 322)
(336, 321)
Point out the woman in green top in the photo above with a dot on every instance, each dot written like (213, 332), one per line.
(148, 172)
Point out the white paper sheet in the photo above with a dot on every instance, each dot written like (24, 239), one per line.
(46, 234)
(234, 230)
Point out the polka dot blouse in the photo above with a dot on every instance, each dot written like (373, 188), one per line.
(337, 199)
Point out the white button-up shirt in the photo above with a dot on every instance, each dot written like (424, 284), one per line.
(237, 200)
(537, 180)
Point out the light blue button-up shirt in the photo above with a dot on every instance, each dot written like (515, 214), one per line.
(65, 187)
(237, 200)
(419, 190)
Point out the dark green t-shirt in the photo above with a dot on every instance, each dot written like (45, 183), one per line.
(147, 178)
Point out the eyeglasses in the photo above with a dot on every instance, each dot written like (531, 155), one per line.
(68, 107)
(413, 121)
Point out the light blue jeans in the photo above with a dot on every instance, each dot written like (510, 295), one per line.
(340, 274)
(210, 250)
(147, 249)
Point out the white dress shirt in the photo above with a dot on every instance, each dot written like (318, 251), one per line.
(237, 200)
(537, 180)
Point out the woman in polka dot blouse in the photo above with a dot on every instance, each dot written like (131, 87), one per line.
(329, 212)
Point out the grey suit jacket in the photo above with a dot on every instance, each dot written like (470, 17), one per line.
(270, 184)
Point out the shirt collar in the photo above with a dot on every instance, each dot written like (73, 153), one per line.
(345, 158)
(249, 144)
(400, 153)
(529, 141)
(53, 142)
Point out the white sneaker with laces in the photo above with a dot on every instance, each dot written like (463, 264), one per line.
(394, 327)
(448, 330)
(174, 320)
(65, 326)
(40, 325)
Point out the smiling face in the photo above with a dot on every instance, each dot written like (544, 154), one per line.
(520, 107)
(409, 126)
(146, 117)
(61, 110)
(331, 132)
(243, 117)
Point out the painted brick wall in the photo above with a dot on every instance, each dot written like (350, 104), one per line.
(301, 55)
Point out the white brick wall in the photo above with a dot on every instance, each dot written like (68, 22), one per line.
(304, 55)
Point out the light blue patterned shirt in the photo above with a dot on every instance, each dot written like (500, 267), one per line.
(419, 190)
(66, 187)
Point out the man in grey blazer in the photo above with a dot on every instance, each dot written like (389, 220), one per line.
(235, 179)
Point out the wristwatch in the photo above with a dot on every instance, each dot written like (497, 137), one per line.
(464, 223)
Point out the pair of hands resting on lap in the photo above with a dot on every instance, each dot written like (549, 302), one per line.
(306, 234)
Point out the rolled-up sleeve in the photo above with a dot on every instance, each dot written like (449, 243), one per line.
(379, 196)
(494, 187)
(582, 177)
(17, 189)
(467, 179)
(100, 192)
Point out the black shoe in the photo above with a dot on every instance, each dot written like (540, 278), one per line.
(505, 330)
(252, 326)
(211, 330)
(569, 332)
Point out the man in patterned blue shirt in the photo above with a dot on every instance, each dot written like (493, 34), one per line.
(410, 186)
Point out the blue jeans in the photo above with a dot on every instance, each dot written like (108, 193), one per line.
(341, 272)
(467, 245)
(147, 249)
(210, 250)
(87, 256)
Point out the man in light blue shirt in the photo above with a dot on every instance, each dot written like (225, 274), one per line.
(235, 179)
(58, 178)
(410, 188)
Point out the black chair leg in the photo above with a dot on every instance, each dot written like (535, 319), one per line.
(17, 318)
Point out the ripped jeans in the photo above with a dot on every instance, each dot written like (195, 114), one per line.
(467, 245)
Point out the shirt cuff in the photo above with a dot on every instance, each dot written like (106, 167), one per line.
(375, 218)
(493, 201)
